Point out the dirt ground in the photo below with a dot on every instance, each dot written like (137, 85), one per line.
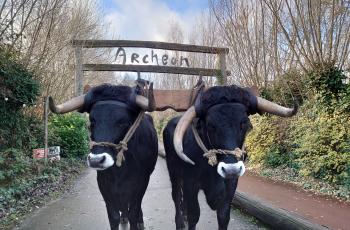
(323, 210)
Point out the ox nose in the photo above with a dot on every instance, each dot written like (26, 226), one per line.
(230, 170)
(99, 161)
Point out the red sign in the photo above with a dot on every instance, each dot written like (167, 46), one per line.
(38, 153)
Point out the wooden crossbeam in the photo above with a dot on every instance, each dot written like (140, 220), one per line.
(148, 44)
(154, 69)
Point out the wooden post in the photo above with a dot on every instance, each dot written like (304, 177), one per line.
(78, 71)
(222, 59)
(46, 110)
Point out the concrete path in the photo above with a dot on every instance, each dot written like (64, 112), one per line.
(84, 208)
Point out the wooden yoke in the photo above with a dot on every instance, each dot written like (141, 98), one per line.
(160, 100)
(178, 100)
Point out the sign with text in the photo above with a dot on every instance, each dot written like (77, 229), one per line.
(150, 58)
(53, 153)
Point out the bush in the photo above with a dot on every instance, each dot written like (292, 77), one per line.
(17, 89)
(327, 82)
(322, 147)
(26, 182)
(316, 144)
(267, 143)
(287, 89)
(70, 132)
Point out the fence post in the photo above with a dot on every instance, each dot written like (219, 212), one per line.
(222, 59)
(46, 110)
(78, 71)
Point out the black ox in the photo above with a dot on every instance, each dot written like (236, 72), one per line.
(221, 118)
(112, 110)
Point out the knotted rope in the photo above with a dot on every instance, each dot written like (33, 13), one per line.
(211, 154)
(122, 146)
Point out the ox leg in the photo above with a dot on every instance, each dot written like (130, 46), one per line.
(124, 217)
(140, 224)
(223, 215)
(191, 190)
(223, 212)
(135, 211)
(176, 194)
(113, 217)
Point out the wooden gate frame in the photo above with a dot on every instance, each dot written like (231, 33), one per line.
(81, 67)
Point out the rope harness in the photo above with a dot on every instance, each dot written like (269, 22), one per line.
(122, 146)
(212, 153)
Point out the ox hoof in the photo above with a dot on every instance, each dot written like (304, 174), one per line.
(124, 220)
(140, 226)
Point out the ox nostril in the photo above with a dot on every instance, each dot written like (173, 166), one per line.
(103, 159)
(223, 170)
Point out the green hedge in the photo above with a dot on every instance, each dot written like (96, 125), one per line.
(315, 144)
(70, 132)
(18, 89)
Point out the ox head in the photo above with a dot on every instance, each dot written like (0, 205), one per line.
(112, 110)
(223, 112)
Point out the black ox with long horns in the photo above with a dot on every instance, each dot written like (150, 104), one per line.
(204, 150)
(123, 165)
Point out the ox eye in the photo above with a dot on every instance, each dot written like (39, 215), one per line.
(244, 124)
(122, 125)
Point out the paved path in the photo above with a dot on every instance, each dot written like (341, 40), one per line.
(84, 208)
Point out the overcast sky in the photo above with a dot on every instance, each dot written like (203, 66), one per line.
(150, 19)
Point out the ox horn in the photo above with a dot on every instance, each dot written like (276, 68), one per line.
(142, 102)
(273, 108)
(68, 106)
(179, 133)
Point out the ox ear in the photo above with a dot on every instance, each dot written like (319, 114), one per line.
(87, 88)
(253, 90)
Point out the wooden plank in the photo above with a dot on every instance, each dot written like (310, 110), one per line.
(78, 72)
(178, 100)
(222, 58)
(273, 216)
(148, 44)
(153, 68)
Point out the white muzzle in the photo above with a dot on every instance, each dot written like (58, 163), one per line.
(231, 170)
(99, 161)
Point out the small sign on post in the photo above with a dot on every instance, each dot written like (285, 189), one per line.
(52, 155)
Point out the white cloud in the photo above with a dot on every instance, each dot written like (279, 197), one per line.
(146, 20)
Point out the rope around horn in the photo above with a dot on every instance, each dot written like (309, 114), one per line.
(122, 146)
(211, 154)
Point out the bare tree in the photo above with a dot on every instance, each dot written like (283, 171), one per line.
(40, 31)
(315, 31)
(246, 31)
(269, 37)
